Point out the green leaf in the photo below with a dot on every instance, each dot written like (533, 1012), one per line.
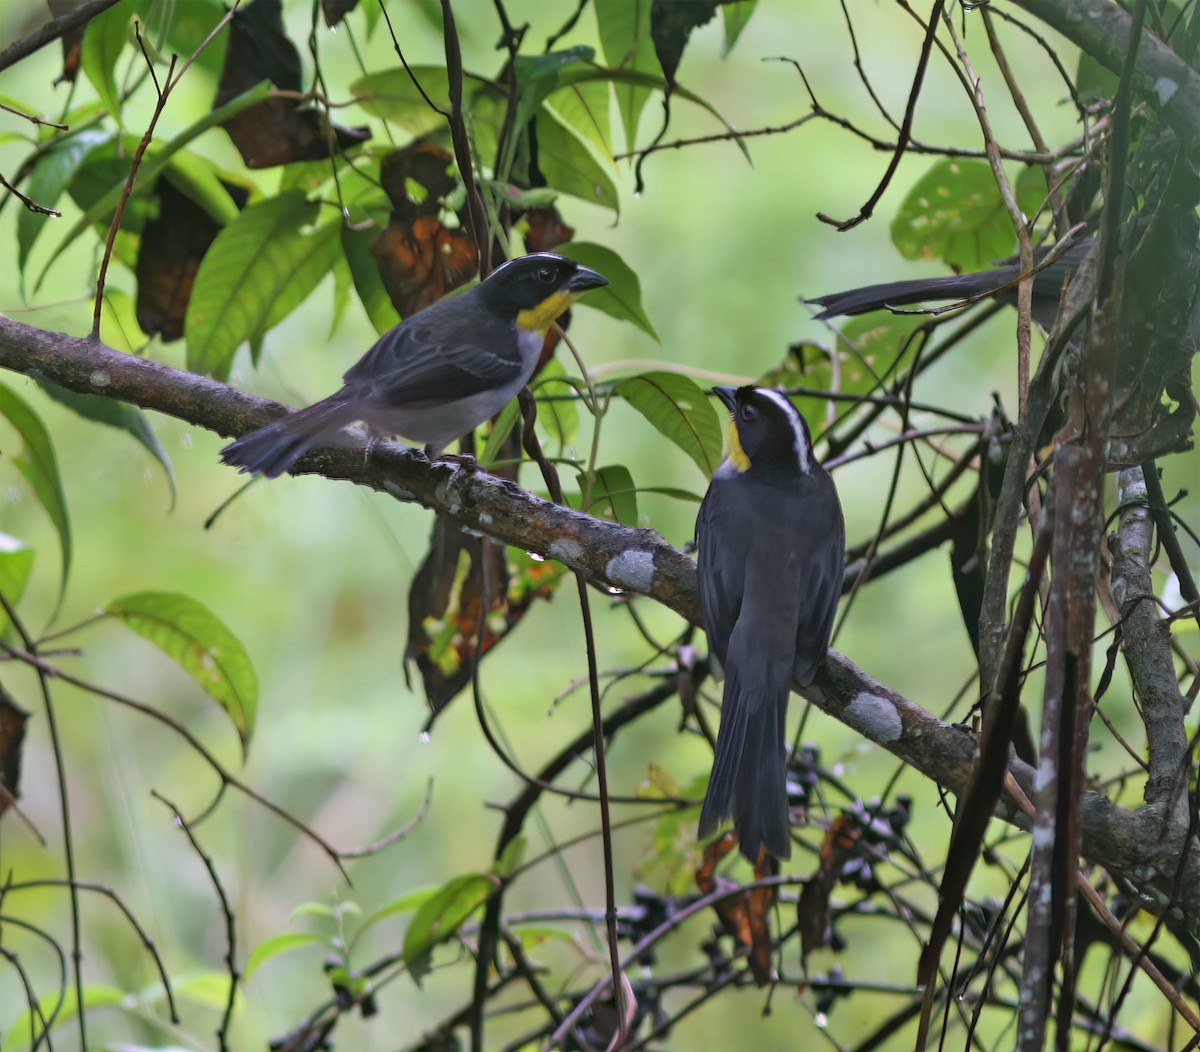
(16, 564)
(1094, 81)
(558, 417)
(273, 947)
(119, 326)
(314, 909)
(568, 165)
(510, 417)
(954, 213)
(121, 415)
(367, 282)
(511, 858)
(201, 181)
(584, 108)
(20, 1036)
(621, 298)
(1031, 192)
(625, 39)
(207, 651)
(54, 172)
(677, 407)
(674, 492)
(445, 912)
(249, 266)
(103, 40)
(537, 76)
(38, 464)
(152, 164)
(532, 936)
(311, 257)
(406, 903)
(391, 94)
(654, 81)
(735, 16)
(613, 494)
(209, 989)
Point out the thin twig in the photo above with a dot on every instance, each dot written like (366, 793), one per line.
(227, 913)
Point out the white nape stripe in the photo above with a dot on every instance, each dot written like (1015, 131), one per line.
(801, 444)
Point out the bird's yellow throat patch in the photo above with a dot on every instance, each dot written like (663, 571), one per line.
(736, 453)
(540, 318)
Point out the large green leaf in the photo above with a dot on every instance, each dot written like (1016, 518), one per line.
(103, 40)
(154, 161)
(440, 916)
(392, 95)
(625, 39)
(613, 494)
(678, 408)
(256, 270)
(38, 464)
(584, 107)
(654, 81)
(121, 415)
(622, 296)
(569, 166)
(367, 282)
(16, 564)
(54, 171)
(311, 257)
(205, 649)
(537, 76)
(955, 213)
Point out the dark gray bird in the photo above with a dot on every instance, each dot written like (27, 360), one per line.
(440, 373)
(1047, 287)
(771, 553)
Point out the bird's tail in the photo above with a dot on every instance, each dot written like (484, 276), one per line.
(747, 781)
(274, 449)
(915, 290)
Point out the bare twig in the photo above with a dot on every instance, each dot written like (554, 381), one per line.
(226, 912)
(868, 208)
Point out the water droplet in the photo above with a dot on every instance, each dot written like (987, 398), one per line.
(424, 737)
(537, 558)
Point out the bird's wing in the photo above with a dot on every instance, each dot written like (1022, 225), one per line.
(435, 352)
(820, 586)
(720, 581)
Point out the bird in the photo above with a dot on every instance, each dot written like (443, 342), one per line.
(771, 551)
(1000, 282)
(440, 373)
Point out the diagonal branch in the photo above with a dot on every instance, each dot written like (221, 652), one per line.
(1141, 846)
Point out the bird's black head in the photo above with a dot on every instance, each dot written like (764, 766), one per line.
(765, 428)
(535, 289)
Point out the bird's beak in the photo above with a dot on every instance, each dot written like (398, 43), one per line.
(584, 279)
(728, 395)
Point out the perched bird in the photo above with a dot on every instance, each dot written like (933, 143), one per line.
(771, 554)
(440, 373)
(1047, 287)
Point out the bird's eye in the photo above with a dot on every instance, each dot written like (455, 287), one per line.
(546, 275)
(749, 412)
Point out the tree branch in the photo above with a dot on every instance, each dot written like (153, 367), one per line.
(1146, 643)
(51, 31)
(1104, 31)
(636, 561)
